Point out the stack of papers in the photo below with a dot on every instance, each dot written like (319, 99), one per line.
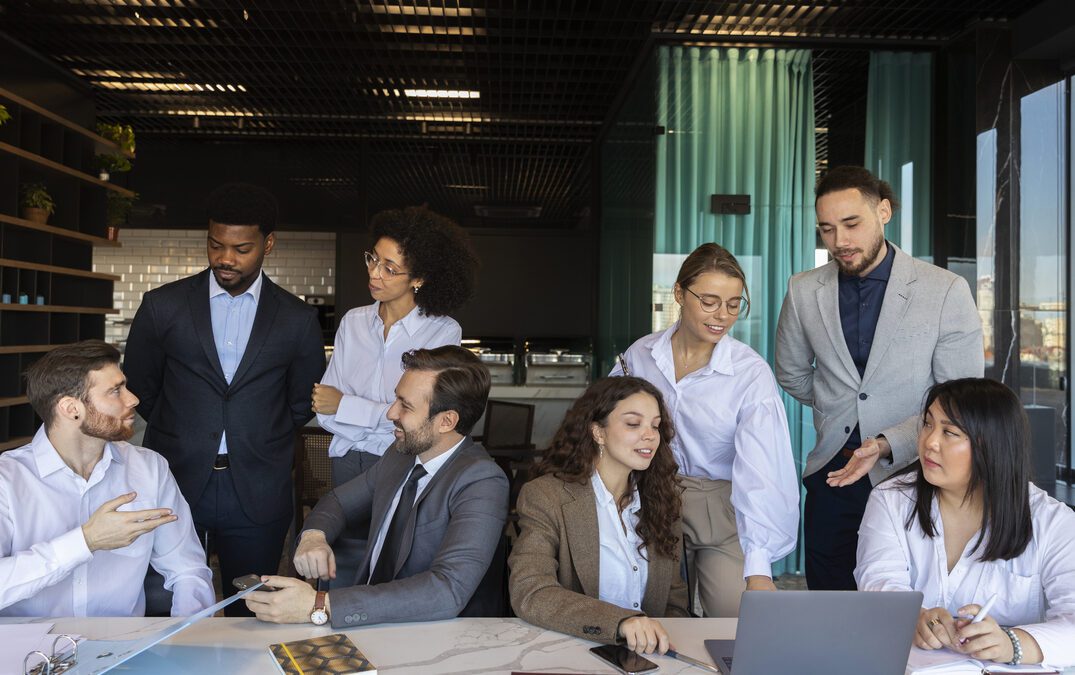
(948, 662)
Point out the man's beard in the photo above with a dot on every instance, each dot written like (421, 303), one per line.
(417, 441)
(105, 427)
(868, 258)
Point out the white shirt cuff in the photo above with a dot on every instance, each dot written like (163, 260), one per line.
(71, 548)
(757, 562)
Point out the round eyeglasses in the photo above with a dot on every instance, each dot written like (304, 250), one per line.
(373, 262)
(712, 303)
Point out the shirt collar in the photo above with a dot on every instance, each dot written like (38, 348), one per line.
(880, 273)
(414, 320)
(254, 291)
(719, 362)
(605, 498)
(434, 465)
(48, 459)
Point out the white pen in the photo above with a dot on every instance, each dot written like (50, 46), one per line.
(983, 612)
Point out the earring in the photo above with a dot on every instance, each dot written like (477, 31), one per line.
(600, 450)
(416, 290)
(76, 417)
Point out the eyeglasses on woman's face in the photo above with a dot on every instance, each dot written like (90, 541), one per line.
(712, 303)
(391, 270)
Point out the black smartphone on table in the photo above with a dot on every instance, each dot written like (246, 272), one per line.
(624, 660)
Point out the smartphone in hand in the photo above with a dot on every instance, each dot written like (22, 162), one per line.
(250, 581)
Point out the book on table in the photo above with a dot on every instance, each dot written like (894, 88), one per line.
(333, 654)
(948, 662)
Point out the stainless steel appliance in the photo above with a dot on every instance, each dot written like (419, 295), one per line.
(498, 354)
(558, 367)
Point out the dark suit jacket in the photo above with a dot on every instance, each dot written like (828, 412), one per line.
(172, 365)
(555, 566)
(452, 534)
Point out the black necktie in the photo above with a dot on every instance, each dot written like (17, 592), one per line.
(385, 569)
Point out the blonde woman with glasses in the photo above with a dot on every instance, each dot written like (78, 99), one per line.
(421, 268)
(741, 498)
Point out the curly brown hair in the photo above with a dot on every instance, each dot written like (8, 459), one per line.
(573, 458)
(437, 251)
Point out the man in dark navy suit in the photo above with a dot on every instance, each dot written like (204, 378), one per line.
(223, 363)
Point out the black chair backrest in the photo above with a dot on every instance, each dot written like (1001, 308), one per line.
(508, 425)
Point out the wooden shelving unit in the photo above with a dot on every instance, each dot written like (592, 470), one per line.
(52, 296)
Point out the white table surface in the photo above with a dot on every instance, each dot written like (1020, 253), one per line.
(486, 646)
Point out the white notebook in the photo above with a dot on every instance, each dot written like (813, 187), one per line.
(947, 662)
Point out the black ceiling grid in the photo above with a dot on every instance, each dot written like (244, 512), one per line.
(334, 75)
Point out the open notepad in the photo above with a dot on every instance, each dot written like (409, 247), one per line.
(945, 662)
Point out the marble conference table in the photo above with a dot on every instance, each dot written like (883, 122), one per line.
(486, 646)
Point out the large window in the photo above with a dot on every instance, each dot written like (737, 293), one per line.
(1043, 275)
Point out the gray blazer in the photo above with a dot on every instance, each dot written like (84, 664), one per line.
(929, 331)
(453, 532)
(556, 561)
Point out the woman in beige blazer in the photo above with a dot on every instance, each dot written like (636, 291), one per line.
(600, 535)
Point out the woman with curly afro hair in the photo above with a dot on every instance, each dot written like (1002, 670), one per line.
(421, 267)
(599, 531)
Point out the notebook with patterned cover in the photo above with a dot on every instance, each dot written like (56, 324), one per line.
(324, 655)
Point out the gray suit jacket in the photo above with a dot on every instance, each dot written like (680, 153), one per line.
(453, 532)
(555, 566)
(929, 331)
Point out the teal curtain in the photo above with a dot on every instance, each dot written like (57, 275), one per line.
(741, 121)
(899, 141)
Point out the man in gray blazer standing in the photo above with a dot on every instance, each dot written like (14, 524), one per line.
(860, 340)
(437, 504)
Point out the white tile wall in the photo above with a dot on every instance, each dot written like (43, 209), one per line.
(302, 262)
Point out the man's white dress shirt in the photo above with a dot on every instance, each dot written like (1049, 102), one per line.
(731, 425)
(366, 367)
(1035, 590)
(46, 568)
(623, 568)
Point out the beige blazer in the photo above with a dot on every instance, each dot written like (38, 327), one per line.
(555, 566)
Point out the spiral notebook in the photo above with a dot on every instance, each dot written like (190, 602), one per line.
(947, 662)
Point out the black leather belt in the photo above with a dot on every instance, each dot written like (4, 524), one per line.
(221, 463)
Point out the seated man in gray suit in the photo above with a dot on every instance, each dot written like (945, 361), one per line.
(436, 502)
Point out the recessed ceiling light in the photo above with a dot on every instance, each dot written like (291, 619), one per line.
(441, 93)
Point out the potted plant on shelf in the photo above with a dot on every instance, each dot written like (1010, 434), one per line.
(123, 136)
(36, 203)
(119, 208)
(5, 116)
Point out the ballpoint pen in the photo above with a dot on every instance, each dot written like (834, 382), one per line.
(623, 365)
(694, 662)
(983, 612)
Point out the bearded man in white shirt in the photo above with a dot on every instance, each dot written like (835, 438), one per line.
(83, 513)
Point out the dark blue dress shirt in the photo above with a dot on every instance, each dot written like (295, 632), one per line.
(860, 307)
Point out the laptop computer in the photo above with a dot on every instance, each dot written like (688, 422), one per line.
(831, 632)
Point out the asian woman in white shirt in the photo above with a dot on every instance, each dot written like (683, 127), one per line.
(741, 504)
(965, 523)
(421, 268)
(599, 534)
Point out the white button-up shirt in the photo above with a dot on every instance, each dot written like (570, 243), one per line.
(432, 467)
(731, 425)
(366, 368)
(623, 568)
(46, 568)
(233, 320)
(1035, 590)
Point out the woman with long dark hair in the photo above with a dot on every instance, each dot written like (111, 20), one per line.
(965, 523)
(741, 498)
(598, 549)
